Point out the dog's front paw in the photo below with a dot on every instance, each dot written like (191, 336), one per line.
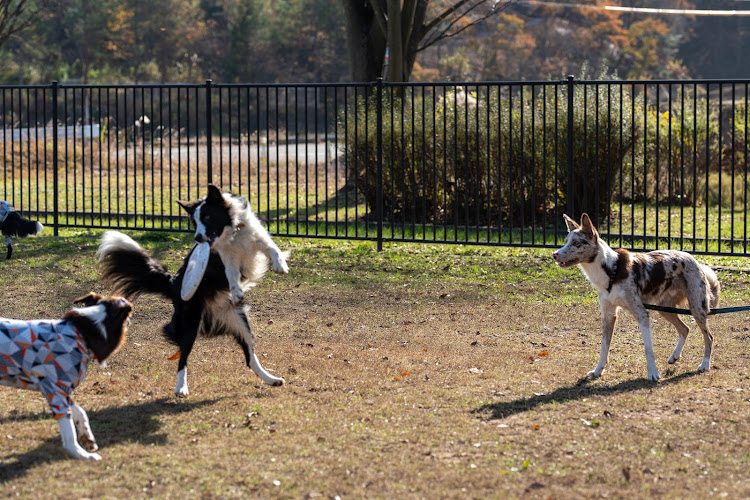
(280, 266)
(653, 376)
(672, 359)
(236, 297)
(595, 373)
(82, 454)
(704, 366)
(88, 443)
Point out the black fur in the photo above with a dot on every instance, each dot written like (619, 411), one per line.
(15, 225)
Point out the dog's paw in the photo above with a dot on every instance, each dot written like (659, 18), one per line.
(236, 297)
(594, 373)
(181, 392)
(276, 382)
(280, 266)
(653, 376)
(672, 360)
(704, 366)
(81, 454)
(88, 443)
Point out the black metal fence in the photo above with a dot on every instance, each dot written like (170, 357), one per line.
(657, 164)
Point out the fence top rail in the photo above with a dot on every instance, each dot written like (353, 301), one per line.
(446, 84)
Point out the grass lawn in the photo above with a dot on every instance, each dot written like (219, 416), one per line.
(419, 372)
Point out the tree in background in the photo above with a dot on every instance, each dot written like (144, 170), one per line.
(17, 15)
(405, 28)
(538, 41)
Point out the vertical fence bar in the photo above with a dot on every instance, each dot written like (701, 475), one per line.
(55, 181)
(209, 139)
(569, 189)
(379, 172)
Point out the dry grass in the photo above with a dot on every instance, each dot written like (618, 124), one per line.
(438, 372)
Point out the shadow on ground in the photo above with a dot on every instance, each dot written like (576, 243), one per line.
(582, 389)
(133, 423)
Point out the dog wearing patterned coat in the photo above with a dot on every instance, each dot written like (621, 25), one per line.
(52, 356)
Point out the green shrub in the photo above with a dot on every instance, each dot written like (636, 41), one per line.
(494, 154)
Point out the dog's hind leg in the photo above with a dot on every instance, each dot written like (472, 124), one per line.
(700, 298)
(682, 331)
(9, 245)
(81, 421)
(609, 317)
(181, 389)
(708, 339)
(70, 443)
(183, 333)
(246, 340)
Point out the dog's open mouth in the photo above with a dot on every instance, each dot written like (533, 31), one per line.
(568, 263)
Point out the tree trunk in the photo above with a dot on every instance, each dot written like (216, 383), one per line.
(395, 47)
(365, 41)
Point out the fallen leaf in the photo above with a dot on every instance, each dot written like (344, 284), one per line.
(405, 373)
(397, 378)
(535, 427)
(175, 356)
(543, 353)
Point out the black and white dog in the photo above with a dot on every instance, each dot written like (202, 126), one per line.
(240, 250)
(12, 224)
(51, 356)
(628, 280)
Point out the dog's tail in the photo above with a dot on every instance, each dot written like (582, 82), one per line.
(714, 288)
(129, 269)
(15, 225)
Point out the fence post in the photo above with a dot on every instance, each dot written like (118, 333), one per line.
(569, 195)
(55, 182)
(209, 138)
(379, 172)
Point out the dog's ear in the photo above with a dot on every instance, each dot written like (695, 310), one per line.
(572, 225)
(588, 228)
(88, 300)
(214, 195)
(189, 206)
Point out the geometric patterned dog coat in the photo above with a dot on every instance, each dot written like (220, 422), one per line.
(45, 355)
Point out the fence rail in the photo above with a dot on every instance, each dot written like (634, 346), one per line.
(657, 164)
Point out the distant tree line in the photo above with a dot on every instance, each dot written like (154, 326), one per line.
(118, 41)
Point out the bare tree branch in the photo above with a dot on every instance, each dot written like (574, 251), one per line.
(16, 15)
(445, 33)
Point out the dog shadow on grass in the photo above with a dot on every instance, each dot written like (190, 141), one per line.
(132, 423)
(580, 390)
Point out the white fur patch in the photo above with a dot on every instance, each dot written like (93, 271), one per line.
(200, 228)
(96, 313)
(115, 240)
(181, 389)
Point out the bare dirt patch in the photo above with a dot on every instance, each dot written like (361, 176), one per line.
(419, 372)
